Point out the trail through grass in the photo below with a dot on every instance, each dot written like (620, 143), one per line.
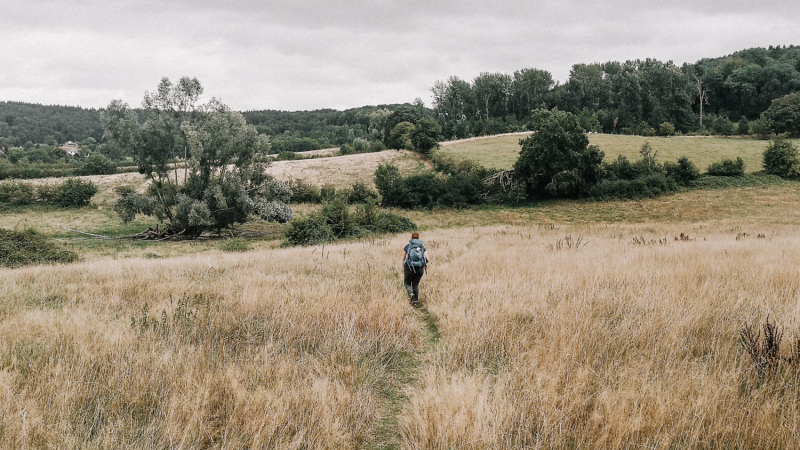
(388, 434)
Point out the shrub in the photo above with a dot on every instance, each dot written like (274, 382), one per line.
(234, 245)
(781, 158)
(308, 230)
(647, 186)
(17, 193)
(335, 221)
(400, 136)
(18, 249)
(683, 172)
(303, 192)
(337, 216)
(727, 168)
(386, 178)
(666, 129)
(722, 125)
(327, 193)
(273, 211)
(762, 127)
(743, 127)
(287, 156)
(97, 165)
(452, 164)
(360, 193)
(74, 193)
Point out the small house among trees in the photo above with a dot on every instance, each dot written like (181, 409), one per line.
(70, 147)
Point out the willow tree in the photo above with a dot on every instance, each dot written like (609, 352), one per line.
(206, 165)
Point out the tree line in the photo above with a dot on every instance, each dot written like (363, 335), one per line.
(634, 97)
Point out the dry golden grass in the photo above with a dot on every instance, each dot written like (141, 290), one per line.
(345, 170)
(503, 150)
(608, 345)
(289, 349)
(611, 345)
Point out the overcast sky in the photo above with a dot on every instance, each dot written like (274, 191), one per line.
(302, 54)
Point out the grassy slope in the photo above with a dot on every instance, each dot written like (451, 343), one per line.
(502, 151)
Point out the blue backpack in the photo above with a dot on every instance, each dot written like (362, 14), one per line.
(415, 256)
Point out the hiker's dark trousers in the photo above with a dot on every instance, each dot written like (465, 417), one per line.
(411, 277)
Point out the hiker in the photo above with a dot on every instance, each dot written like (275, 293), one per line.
(415, 262)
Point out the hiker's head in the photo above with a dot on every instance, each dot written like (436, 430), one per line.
(415, 235)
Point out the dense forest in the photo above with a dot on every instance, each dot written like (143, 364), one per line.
(51, 125)
(635, 97)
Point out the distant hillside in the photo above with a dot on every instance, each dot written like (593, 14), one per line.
(633, 97)
(23, 122)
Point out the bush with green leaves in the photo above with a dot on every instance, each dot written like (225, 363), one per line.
(722, 126)
(335, 221)
(97, 164)
(651, 185)
(762, 127)
(17, 193)
(25, 248)
(666, 129)
(727, 168)
(429, 190)
(287, 156)
(784, 114)
(781, 158)
(683, 171)
(453, 164)
(400, 136)
(303, 192)
(234, 245)
(743, 126)
(359, 192)
(74, 193)
(557, 160)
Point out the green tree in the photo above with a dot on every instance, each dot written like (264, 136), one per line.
(97, 164)
(425, 136)
(781, 158)
(784, 114)
(529, 90)
(225, 159)
(557, 160)
(762, 127)
(743, 127)
(400, 136)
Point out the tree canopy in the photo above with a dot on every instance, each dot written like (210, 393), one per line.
(206, 164)
(557, 160)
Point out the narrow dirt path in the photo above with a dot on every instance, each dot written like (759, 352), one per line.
(388, 435)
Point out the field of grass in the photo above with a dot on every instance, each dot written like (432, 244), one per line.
(558, 324)
(502, 151)
(536, 335)
(345, 170)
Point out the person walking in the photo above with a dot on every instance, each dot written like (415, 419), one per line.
(415, 262)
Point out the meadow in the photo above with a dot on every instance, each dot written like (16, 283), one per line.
(502, 151)
(557, 324)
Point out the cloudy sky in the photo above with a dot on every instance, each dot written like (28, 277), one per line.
(303, 54)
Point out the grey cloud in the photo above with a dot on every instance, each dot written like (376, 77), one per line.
(308, 54)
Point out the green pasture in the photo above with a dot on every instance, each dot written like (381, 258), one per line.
(502, 151)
